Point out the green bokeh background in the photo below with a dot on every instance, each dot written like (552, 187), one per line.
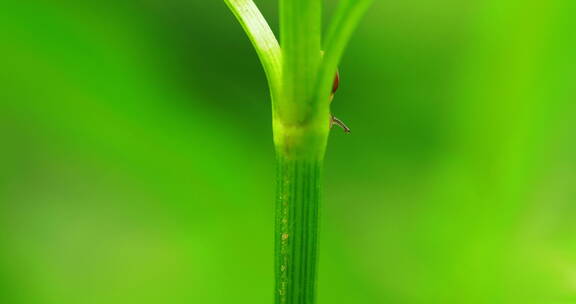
(136, 159)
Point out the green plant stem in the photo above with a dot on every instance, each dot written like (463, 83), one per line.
(296, 237)
(301, 42)
(300, 80)
(300, 133)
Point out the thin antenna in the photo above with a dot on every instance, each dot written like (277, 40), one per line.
(341, 124)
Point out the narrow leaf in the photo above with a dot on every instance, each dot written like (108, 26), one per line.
(262, 38)
(346, 19)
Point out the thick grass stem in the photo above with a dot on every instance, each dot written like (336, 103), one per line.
(301, 41)
(297, 206)
(300, 80)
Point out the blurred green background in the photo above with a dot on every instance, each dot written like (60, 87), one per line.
(136, 159)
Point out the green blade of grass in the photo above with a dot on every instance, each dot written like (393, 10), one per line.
(262, 38)
(299, 75)
(345, 21)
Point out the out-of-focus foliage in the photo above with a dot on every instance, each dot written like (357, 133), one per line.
(136, 162)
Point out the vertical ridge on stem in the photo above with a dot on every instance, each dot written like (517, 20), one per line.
(296, 236)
